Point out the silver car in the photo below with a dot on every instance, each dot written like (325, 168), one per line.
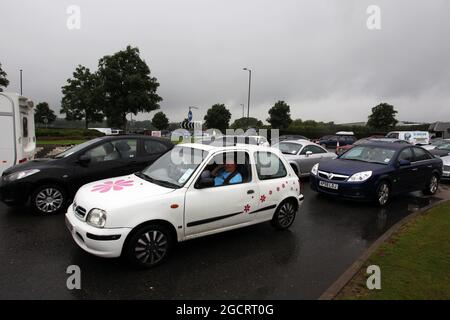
(303, 155)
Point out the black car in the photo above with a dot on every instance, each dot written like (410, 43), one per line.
(377, 171)
(332, 141)
(50, 183)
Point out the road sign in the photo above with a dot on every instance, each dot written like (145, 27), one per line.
(191, 125)
(190, 115)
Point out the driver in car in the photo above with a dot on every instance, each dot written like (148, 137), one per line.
(226, 174)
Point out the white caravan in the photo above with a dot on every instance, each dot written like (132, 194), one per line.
(17, 135)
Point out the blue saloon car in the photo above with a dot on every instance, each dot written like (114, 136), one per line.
(377, 171)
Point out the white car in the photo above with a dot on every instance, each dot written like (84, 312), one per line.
(177, 198)
(446, 168)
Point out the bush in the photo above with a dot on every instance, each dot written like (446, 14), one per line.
(68, 133)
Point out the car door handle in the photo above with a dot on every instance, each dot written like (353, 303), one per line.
(414, 169)
(250, 191)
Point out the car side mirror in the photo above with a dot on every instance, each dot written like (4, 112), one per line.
(308, 153)
(404, 163)
(84, 159)
(204, 183)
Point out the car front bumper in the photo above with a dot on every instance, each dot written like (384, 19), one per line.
(445, 175)
(106, 243)
(357, 191)
(16, 192)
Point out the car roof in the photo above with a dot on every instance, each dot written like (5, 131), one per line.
(299, 141)
(135, 136)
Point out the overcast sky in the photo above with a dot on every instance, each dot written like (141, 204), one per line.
(317, 55)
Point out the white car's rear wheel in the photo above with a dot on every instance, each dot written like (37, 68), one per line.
(284, 217)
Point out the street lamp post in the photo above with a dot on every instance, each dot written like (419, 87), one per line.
(249, 87)
(20, 81)
(243, 110)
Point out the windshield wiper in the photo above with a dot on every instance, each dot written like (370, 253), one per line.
(163, 183)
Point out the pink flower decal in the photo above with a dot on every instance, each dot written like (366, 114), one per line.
(270, 192)
(247, 208)
(262, 198)
(112, 185)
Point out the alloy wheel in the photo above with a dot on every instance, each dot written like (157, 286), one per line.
(383, 194)
(433, 184)
(49, 200)
(286, 214)
(151, 247)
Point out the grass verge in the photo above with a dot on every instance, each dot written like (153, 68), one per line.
(414, 262)
(59, 142)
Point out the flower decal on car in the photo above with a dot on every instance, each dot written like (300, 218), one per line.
(112, 185)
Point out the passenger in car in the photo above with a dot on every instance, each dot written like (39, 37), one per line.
(226, 174)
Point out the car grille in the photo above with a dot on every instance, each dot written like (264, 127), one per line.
(446, 168)
(79, 211)
(332, 176)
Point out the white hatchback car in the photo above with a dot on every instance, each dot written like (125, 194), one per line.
(192, 191)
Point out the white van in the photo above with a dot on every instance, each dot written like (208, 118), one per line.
(108, 131)
(17, 135)
(413, 137)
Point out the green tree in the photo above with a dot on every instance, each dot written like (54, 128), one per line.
(127, 86)
(43, 114)
(160, 121)
(382, 117)
(82, 97)
(280, 115)
(242, 123)
(3, 81)
(217, 117)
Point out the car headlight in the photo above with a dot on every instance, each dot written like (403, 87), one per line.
(20, 174)
(360, 176)
(315, 169)
(96, 218)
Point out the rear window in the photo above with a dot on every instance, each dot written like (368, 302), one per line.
(269, 166)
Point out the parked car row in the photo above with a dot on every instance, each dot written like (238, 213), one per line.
(136, 196)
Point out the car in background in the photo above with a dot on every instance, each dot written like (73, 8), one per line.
(378, 171)
(441, 150)
(333, 141)
(446, 167)
(175, 200)
(292, 137)
(341, 149)
(50, 183)
(302, 155)
(413, 137)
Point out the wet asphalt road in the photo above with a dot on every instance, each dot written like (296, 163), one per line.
(257, 262)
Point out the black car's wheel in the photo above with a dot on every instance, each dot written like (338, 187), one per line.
(149, 246)
(383, 193)
(49, 199)
(284, 216)
(432, 186)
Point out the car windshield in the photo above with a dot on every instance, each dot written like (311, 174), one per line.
(372, 154)
(174, 168)
(289, 148)
(76, 148)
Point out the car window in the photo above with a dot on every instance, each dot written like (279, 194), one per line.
(420, 154)
(113, 150)
(406, 154)
(444, 146)
(393, 135)
(313, 149)
(152, 147)
(25, 127)
(269, 166)
(289, 148)
(228, 168)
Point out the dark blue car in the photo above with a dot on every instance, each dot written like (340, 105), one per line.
(377, 171)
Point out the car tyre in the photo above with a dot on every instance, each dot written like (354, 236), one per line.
(285, 214)
(49, 199)
(383, 193)
(432, 186)
(149, 246)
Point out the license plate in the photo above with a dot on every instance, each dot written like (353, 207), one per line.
(328, 185)
(69, 226)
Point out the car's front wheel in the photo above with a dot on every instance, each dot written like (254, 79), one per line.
(149, 246)
(432, 186)
(383, 193)
(284, 216)
(49, 199)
